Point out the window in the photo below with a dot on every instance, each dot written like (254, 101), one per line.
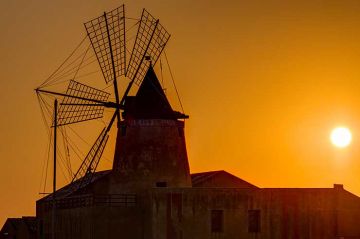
(161, 184)
(217, 221)
(123, 130)
(41, 228)
(254, 221)
(181, 132)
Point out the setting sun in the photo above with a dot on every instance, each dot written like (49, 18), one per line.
(341, 137)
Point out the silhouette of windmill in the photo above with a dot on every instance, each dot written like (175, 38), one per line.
(81, 102)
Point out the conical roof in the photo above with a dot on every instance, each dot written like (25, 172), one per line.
(150, 101)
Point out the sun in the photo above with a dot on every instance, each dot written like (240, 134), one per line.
(341, 137)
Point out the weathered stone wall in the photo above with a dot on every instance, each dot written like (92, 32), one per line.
(18, 228)
(284, 213)
(348, 214)
(297, 213)
(149, 152)
(181, 213)
(99, 216)
(186, 213)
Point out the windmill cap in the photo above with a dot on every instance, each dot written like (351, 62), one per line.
(150, 101)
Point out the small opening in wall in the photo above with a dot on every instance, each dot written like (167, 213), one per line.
(217, 221)
(161, 184)
(254, 221)
(181, 132)
(41, 227)
(123, 130)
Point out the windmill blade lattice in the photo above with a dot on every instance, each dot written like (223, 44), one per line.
(107, 36)
(150, 41)
(82, 103)
(89, 165)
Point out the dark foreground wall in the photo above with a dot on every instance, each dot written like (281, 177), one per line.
(95, 216)
(19, 228)
(206, 213)
(263, 213)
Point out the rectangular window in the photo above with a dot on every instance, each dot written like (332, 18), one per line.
(217, 221)
(181, 132)
(41, 228)
(254, 217)
(161, 184)
(123, 130)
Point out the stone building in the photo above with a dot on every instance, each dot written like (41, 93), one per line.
(150, 193)
(23, 228)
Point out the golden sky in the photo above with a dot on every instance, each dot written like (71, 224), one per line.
(264, 83)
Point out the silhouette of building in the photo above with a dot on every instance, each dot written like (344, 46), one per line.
(150, 193)
(19, 228)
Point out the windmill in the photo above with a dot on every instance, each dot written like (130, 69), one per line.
(81, 102)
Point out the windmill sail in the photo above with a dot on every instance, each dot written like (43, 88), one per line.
(79, 105)
(107, 36)
(88, 166)
(149, 43)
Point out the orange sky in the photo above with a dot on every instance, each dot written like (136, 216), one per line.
(264, 82)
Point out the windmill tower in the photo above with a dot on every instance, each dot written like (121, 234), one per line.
(150, 149)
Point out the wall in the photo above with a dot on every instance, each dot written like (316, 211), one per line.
(284, 213)
(150, 151)
(98, 216)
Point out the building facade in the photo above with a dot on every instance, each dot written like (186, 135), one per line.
(23, 228)
(150, 193)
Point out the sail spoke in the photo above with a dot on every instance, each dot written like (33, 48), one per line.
(150, 41)
(88, 167)
(101, 30)
(79, 104)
